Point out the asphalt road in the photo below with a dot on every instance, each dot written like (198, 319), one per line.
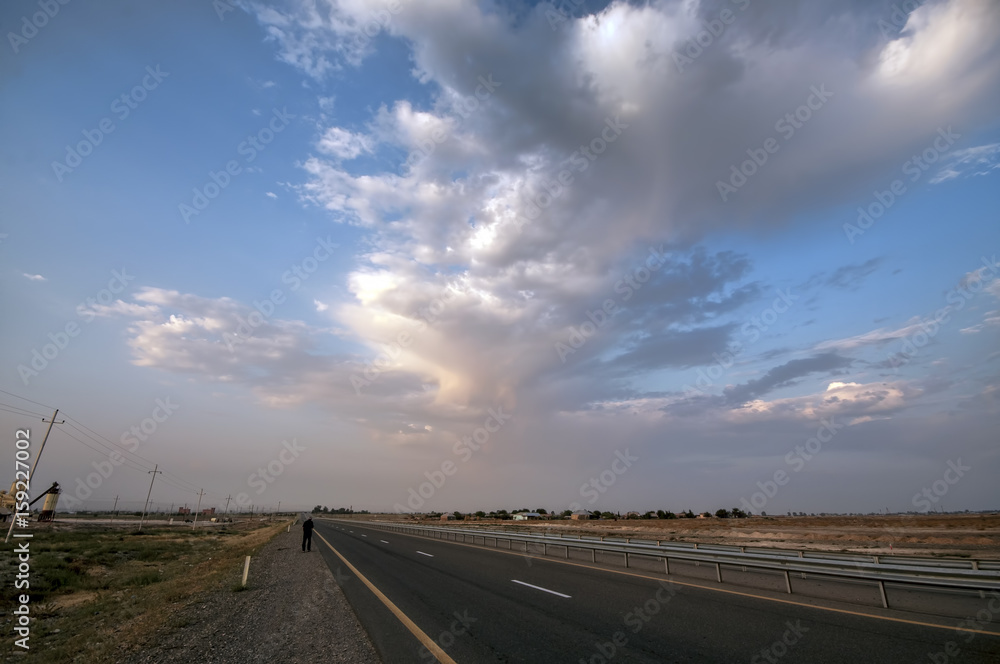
(482, 605)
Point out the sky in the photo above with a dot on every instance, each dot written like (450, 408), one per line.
(414, 255)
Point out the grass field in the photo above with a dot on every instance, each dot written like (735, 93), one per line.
(96, 592)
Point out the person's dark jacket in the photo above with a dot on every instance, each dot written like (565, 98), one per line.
(307, 526)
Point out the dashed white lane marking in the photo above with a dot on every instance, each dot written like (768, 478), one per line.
(540, 588)
(363, 535)
(383, 541)
(425, 554)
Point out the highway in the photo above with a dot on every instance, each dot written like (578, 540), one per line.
(471, 604)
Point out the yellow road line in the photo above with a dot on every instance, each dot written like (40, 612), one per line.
(721, 590)
(427, 641)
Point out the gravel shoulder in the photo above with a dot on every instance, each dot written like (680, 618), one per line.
(291, 611)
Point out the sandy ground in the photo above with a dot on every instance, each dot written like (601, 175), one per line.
(965, 535)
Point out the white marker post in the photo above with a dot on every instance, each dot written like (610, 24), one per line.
(246, 571)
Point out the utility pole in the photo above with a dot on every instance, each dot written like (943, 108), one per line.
(227, 502)
(153, 472)
(279, 508)
(113, 510)
(31, 473)
(200, 494)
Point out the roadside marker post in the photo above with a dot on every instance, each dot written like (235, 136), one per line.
(246, 571)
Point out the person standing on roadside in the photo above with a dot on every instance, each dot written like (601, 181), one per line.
(307, 534)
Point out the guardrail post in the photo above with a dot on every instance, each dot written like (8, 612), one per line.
(718, 572)
(593, 555)
(875, 559)
(626, 559)
(788, 582)
(881, 589)
(975, 564)
(545, 548)
(696, 545)
(666, 566)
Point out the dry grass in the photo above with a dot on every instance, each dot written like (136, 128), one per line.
(97, 594)
(968, 535)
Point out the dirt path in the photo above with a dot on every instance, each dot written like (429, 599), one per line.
(292, 611)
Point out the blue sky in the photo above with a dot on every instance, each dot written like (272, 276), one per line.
(394, 213)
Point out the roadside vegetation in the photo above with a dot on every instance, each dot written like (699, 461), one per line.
(96, 593)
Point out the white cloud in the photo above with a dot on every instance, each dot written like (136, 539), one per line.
(320, 306)
(33, 277)
(271, 194)
(971, 162)
(343, 144)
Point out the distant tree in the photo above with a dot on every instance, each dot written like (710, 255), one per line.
(480, 514)
(689, 514)
(458, 516)
(738, 513)
(763, 513)
(541, 510)
(317, 509)
(596, 514)
(649, 515)
(567, 513)
(722, 513)
(607, 515)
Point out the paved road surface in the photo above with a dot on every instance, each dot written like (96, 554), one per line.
(482, 605)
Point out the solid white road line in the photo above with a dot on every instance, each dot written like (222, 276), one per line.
(540, 588)
(425, 554)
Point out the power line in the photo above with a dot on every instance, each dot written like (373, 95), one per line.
(17, 396)
(19, 411)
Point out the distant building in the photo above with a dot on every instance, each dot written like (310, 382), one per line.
(525, 516)
(183, 510)
(447, 517)
(208, 510)
(580, 515)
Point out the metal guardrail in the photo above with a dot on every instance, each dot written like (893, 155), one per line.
(878, 569)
